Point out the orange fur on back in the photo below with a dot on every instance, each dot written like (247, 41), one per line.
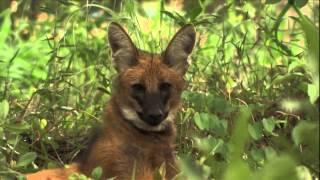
(54, 174)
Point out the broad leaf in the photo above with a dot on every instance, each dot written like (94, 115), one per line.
(255, 130)
(269, 124)
(26, 159)
(97, 173)
(301, 3)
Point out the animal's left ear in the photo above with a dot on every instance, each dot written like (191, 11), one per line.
(124, 52)
(179, 48)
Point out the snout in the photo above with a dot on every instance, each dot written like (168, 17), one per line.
(153, 118)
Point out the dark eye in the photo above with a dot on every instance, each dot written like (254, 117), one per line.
(138, 92)
(165, 87)
(138, 88)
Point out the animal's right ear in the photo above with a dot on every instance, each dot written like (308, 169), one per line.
(179, 48)
(124, 52)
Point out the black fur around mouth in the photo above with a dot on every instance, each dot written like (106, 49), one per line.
(152, 120)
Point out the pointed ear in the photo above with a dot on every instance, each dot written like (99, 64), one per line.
(179, 48)
(124, 52)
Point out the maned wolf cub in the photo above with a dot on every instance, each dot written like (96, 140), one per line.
(138, 134)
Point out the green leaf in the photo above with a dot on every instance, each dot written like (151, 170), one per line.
(5, 27)
(43, 123)
(304, 173)
(272, 1)
(195, 11)
(239, 135)
(17, 128)
(237, 170)
(97, 173)
(20, 177)
(176, 17)
(77, 176)
(257, 155)
(1, 132)
(210, 145)
(206, 121)
(190, 169)
(270, 153)
(281, 79)
(301, 3)
(279, 168)
(295, 65)
(26, 159)
(162, 171)
(312, 35)
(306, 133)
(4, 110)
(269, 124)
(313, 92)
(255, 130)
(218, 105)
(200, 121)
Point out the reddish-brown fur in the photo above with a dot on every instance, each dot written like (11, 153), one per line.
(123, 149)
(121, 146)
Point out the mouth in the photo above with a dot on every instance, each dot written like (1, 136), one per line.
(153, 120)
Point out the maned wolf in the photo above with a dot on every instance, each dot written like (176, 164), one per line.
(138, 134)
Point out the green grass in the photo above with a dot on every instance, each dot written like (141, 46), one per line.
(251, 107)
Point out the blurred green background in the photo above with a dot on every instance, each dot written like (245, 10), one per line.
(251, 108)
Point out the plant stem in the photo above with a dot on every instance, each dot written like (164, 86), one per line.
(276, 27)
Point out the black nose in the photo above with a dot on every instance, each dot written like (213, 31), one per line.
(154, 119)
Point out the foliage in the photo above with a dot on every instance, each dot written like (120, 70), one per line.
(251, 108)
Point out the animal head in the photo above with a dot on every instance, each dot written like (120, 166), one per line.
(148, 86)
